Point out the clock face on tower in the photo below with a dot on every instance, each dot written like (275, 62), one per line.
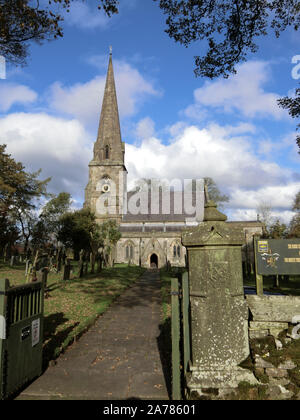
(106, 188)
(105, 184)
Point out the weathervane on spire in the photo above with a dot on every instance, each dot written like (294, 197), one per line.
(110, 50)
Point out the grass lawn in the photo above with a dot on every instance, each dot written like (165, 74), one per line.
(74, 305)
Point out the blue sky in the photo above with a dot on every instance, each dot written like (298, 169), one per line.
(174, 125)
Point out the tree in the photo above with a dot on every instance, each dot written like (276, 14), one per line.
(264, 212)
(228, 30)
(76, 228)
(293, 107)
(277, 230)
(54, 210)
(214, 193)
(296, 205)
(22, 21)
(294, 227)
(19, 193)
(110, 235)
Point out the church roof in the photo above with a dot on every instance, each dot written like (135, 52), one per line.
(157, 211)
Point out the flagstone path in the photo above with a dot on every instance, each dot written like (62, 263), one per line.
(118, 358)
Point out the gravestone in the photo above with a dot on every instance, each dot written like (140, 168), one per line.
(81, 264)
(12, 260)
(42, 275)
(27, 267)
(219, 313)
(66, 270)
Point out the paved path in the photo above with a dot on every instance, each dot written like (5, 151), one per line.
(118, 358)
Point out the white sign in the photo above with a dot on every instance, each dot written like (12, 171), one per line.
(2, 328)
(2, 68)
(35, 332)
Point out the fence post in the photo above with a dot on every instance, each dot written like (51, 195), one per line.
(258, 277)
(186, 321)
(4, 285)
(175, 327)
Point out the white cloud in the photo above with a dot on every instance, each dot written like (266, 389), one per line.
(11, 94)
(279, 196)
(145, 128)
(86, 16)
(83, 100)
(207, 152)
(62, 148)
(223, 154)
(243, 93)
(251, 214)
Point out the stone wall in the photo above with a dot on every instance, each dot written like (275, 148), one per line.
(146, 245)
(275, 345)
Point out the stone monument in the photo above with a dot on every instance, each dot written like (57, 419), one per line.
(219, 312)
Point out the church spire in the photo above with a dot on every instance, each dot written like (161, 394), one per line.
(109, 147)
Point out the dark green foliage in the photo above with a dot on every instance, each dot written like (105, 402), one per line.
(19, 193)
(76, 228)
(22, 21)
(278, 230)
(293, 107)
(227, 29)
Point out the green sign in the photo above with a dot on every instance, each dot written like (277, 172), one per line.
(277, 256)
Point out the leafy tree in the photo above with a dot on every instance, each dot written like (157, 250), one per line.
(110, 235)
(264, 212)
(79, 230)
(18, 189)
(229, 28)
(277, 230)
(22, 21)
(9, 232)
(214, 193)
(296, 205)
(19, 194)
(53, 211)
(27, 220)
(76, 228)
(293, 107)
(294, 227)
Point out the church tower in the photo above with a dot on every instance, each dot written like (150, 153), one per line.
(106, 189)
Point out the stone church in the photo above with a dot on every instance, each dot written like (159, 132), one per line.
(149, 238)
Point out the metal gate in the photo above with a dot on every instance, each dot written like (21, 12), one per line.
(180, 326)
(21, 335)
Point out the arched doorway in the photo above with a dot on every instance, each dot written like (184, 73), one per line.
(154, 261)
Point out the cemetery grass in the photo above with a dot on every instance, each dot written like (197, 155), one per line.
(73, 306)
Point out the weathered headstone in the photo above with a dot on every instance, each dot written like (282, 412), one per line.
(5, 253)
(81, 263)
(42, 276)
(66, 270)
(27, 267)
(219, 313)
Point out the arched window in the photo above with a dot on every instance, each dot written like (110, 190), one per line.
(174, 251)
(178, 251)
(129, 250)
(106, 152)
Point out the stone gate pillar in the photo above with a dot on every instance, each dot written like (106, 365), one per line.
(219, 313)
